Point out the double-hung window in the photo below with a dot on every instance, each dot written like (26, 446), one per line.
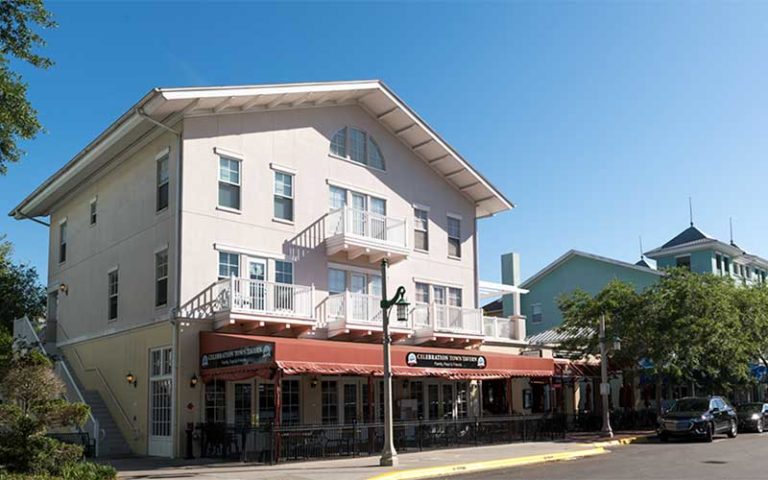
(112, 292)
(63, 241)
(229, 183)
(229, 265)
(283, 272)
(421, 229)
(162, 183)
(536, 313)
(454, 237)
(161, 278)
(283, 196)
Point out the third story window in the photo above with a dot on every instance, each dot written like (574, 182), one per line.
(161, 278)
(162, 182)
(112, 282)
(284, 196)
(536, 315)
(358, 146)
(229, 183)
(421, 229)
(63, 241)
(454, 237)
(92, 212)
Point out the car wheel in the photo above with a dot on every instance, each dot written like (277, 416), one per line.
(734, 430)
(759, 427)
(710, 433)
(664, 436)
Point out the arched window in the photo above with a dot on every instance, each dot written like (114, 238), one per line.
(356, 145)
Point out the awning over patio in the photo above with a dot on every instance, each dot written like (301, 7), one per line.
(227, 356)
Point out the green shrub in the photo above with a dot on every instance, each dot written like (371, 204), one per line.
(88, 471)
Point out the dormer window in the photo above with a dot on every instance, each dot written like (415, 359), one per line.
(358, 146)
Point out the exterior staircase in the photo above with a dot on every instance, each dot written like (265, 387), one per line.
(112, 442)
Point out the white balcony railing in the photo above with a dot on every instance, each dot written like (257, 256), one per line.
(244, 295)
(367, 225)
(354, 309)
(447, 319)
(497, 327)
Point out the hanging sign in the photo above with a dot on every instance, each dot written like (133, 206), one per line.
(250, 355)
(444, 360)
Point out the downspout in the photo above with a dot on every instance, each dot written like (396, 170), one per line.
(177, 284)
(477, 273)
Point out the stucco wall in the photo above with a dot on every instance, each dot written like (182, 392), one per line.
(576, 273)
(300, 140)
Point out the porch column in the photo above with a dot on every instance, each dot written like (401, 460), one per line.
(509, 396)
(278, 412)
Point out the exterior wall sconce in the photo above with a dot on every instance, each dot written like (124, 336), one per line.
(193, 381)
(64, 288)
(313, 383)
(131, 379)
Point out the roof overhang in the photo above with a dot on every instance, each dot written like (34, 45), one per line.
(170, 104)
(698, 245)
(493, 290)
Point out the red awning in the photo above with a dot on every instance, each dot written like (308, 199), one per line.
(324, 357)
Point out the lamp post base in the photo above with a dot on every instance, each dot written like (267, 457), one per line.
(388, 460)
(606, 433)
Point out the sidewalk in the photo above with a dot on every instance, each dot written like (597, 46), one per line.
(454, 460)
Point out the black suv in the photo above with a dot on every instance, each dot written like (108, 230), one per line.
(701, 417)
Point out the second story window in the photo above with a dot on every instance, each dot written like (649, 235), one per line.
(229, 183)
(162, 183)
(229, 265)
(161, 278)
(421, 229)
(92, 211)
(683, 262)
(358, 146)
(536, 314)
(63, 242)
(454, 237)
(283, 272)
(284, 196)
(112, 289)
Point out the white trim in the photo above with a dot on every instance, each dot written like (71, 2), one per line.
(455, 216)
(116, 267)
(229, 210)
(161, 248)
(227, 248)
(223, 152)
(439, 283)
(94, 199)
(63, 220)
(162, 153)
(353, 188)
(354, 268)
(283, 168)
(283, 221)
(349, 160)
(420, 206)
(110, 332)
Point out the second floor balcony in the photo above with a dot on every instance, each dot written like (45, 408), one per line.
(359, 233)
(358, 316)
(447, 325)
(255, 306)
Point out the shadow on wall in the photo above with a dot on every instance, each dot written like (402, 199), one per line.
(307, 241)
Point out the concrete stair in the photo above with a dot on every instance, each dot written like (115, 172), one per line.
(112, 443)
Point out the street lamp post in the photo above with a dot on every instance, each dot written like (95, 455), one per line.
(388, 453)
(605, 387)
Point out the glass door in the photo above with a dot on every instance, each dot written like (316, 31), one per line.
(160, 387)
(359, 213)
(441, 313)
(257, 290)
(243, 402)
(378, 218)
(358, 286)
(350, 402)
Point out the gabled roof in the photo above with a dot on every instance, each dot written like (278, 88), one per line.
(690, 234)
(643, 263)
(576, 253)
(169, 105)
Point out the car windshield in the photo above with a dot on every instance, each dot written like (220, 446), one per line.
(690, 405)
(751, 407)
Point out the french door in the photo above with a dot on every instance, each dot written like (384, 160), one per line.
(359, 213)
(160, 409)
(358, 286)
(257, 289)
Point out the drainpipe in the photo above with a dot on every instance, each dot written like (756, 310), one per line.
(177, 284)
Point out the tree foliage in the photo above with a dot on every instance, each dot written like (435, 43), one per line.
(688, 327)
(20, 291)
(19, 39)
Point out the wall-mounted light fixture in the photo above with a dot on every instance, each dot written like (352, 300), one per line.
(313, 383)
(131, 379)
(64, 288)
(193, 381)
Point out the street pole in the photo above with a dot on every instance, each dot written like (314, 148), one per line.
(388, 453)
(604, 386)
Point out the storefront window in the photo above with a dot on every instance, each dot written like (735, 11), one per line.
(434, 401)
(266, 403)
(350, 402)
(243, 396)
(330, 406)
(215, 404)
(447, 400)
(380, 406)
(417, 394)
(291, 404)
(364, 398)
(462, 398)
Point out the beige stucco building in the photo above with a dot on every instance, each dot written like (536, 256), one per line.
(207, 230)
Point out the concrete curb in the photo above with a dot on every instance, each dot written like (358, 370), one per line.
(445, 470)
(621, 441)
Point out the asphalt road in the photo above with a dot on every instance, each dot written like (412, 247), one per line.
(745, 457)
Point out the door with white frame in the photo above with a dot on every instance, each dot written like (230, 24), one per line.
(358, 287)
(160, 442)
(257, 289)
(359, 213)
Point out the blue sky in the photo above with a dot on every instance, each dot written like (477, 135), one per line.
(598, 120)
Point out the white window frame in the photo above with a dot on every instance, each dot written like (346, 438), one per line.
(347, 150)
(93, 212)
(218, 263)
(63, 240)
(457, 218)
(163, 156)
(219, 181)
(110, 295)
(534, 306)
(293, 272)
(159, 277)
(425, 229)
(275, 195)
